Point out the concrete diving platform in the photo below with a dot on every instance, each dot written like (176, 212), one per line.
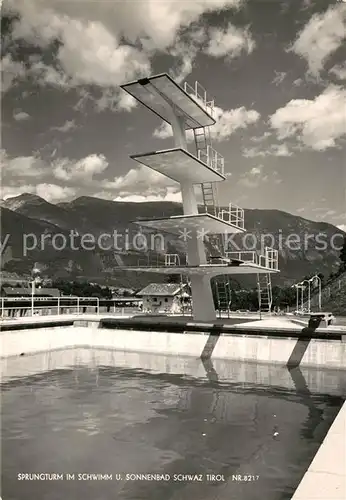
(234, 267)
(179, 165)
(159, 93)
(203, 223)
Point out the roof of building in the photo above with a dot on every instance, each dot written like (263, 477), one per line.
(52, 292)
(26, 292)
(18, 291)
(162, 289)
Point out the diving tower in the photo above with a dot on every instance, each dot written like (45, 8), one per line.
(189, 108)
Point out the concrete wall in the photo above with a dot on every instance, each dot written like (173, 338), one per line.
(256, 349)
(316, 380)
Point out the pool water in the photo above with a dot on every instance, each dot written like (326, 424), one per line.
(94, 430)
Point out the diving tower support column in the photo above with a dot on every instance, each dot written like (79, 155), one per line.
(202, 296)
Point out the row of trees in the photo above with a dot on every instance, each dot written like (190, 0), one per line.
(343, 258)
(82, 289)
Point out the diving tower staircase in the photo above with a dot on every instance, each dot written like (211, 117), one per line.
(189, 108)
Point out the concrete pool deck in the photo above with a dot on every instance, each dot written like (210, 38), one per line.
(326, 477)
(237, 321)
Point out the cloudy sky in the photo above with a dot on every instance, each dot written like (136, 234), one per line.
(276, 70)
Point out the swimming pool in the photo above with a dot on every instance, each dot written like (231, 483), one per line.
(139, 426)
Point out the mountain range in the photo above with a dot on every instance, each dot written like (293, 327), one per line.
(31, 219)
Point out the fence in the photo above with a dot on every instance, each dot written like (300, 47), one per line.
(59, 306)
(327, 292)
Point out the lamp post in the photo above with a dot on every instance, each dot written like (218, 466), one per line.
(316, 277)
(33, 284)
(309, 294)
(297, 296)
(299, 286)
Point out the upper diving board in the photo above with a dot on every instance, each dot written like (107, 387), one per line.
(179, 165)
(156, 92)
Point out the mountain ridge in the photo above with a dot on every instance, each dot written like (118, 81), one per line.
(96, 216)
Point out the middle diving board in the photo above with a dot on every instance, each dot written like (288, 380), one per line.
(203, 269)
(179, 165)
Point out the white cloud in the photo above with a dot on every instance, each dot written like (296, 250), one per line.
(138, 178)
(12, 191)
(321, 37)
(50, 192)
(298, 82)
(342, 227)
(280, 150)
(105, 43)
(66, 127)
(256, 176)
(53, 192)
(339, 71)
(113, 100)
(15, 172)
(142, 182)
(317, 123)
(261, 138)
(185, 51)
(20, 116)
(11, 72)
(175, 197)
(279, 77)
(82, 170)
(274, 150)
(227, 122)
(256, 170)
(47, 75)
(230, 42)
(20, 166)
(89, 52)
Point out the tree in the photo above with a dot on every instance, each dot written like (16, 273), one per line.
(343, 257)
(173, 278)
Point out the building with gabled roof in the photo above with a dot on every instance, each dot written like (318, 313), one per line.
(166, 298)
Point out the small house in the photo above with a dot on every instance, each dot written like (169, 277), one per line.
(166, 298)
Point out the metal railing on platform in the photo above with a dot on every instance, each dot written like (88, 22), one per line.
(270, 258)
(245, 256)
(213, 159)
(172, 259)
(168, 259)
(234, 215)
(199, 94)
